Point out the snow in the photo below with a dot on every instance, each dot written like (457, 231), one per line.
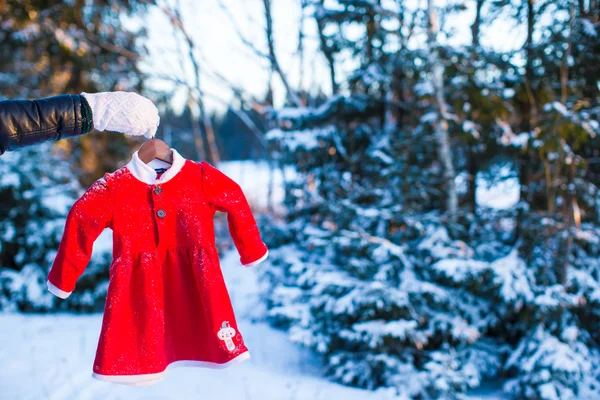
(570, 334)
(57, 201)
(10, 179)
(502, 195)
(383, 157)
(591, 126)
(509, 138)
(470, 127)
(253, 177)
(401, 328)
(435, 242)
(459, 269)
(423, 88)
(558, 107)
(307, 139)
(9, 232)
(588, 27)
(103, 244)
(50, 356)
(508, 93)
(541, 356)
(429, 117)
(511, 272)
(40, 371)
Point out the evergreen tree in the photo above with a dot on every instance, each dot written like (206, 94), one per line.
(37, 189)
(49, 48)
(373, 271)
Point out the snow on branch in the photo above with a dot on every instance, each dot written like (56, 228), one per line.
(337, 107)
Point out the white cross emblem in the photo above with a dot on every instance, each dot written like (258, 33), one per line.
(226, 333)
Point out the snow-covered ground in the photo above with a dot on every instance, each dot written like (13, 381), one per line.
(50, 357)
(254, 177)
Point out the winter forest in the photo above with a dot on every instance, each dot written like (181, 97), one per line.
(425, 173)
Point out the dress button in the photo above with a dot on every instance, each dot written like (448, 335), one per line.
(161, 213)
(157, 190)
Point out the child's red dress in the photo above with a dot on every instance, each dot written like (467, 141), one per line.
(167, 302)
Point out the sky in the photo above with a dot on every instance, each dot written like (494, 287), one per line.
(221, 50)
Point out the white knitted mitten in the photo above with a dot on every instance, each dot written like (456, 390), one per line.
(125, 112)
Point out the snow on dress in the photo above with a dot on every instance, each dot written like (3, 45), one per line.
(167, 303)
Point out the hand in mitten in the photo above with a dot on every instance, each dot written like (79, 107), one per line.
(124, 112)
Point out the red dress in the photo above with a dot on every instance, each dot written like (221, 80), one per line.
(167, 303)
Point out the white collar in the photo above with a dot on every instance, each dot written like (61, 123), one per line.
(146, 173)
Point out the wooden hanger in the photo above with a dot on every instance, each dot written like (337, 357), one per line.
(155, 149)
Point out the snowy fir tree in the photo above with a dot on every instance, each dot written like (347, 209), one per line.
(386, 263)
(38, 186)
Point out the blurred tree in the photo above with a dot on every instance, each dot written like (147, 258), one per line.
(238, 142)
(377, 270)
(54, 47)
(49, 48)
(37, 188)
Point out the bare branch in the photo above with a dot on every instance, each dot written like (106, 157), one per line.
(176, 20)
(441, 109)
(271, 55)
(271, 43)
(111, 47)
(328, 52)
(239, 33)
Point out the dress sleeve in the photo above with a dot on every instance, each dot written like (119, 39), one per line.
(86, 219)
(226, 195)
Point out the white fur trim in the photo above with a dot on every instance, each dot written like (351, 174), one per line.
(150, 379)
(146, 173)
(253, 263)
(57, 291)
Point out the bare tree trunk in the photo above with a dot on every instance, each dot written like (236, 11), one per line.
(550, 192)
(167, 134)
(271, 154)
(572, 207)
(564, 67)
(472, 156)
(529, 63)
(205, 125)
(273, 57)
(370, 32)
(197, 132)
(303, 6)
(390, 122)
(209, 132)
(271, 184)
(525, 167)
(476, 24)
(441, 126)
(327, 51)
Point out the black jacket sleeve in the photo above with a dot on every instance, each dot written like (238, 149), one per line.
(28, 122)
